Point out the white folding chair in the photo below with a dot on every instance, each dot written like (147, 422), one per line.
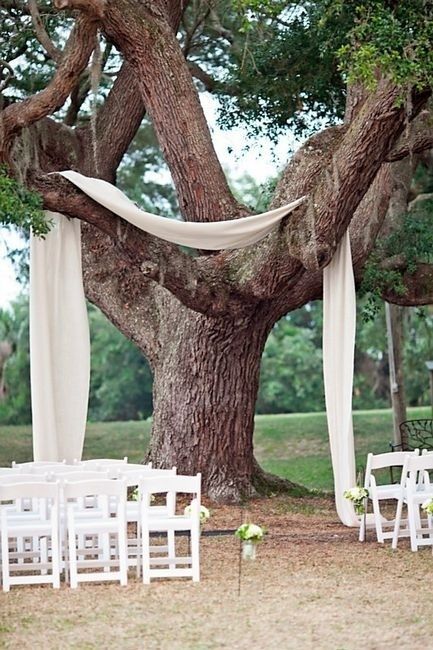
(133, 477)
(96, 525)
(104, 461)
(171, 565)
(381, 492)
(36, 526)
(38, 463)
(12, 471)
(416, 488)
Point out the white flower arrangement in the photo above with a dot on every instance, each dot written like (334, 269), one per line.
(427, 506)
(357, 495)
(250, 533)
(204, 513)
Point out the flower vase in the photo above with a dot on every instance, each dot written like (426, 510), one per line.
(248, 550)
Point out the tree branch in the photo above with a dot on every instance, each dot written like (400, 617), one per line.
(124, 295)
(149, 44)
(417, 137)
(419, 199)
(93, 8)
(419, 288)
(42, 34)
(196, 282)
(77, 52)
(115, 129)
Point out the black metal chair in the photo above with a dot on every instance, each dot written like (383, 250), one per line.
(415, 434)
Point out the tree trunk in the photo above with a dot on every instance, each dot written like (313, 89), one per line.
(205, 389)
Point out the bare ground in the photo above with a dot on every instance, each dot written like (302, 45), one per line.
(312, 586)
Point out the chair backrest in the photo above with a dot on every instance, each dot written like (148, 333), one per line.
(12, 471)
(23, 478)
(390, 459)
(79, 476)
(104, 461)
(38, 463)
(94, 487)
(417, 433)
(176, 483)
(133, 477)
(54, 469)
(127, 467)
(29, 490)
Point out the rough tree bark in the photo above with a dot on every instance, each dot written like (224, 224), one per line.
(201, 321)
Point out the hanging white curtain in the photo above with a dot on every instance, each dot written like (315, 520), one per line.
(339, 324)
(59, 334)
(59, 342)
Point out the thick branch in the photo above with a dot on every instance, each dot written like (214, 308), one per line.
(93, 8)
(77, 52)
(117, 123)
(419, 288)
(419, 199)
(149, 44)
(415, 139)
(115, 127)
(125, 296)
(194, 281)
(42, 34)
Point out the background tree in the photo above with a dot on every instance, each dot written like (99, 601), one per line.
(202, 320)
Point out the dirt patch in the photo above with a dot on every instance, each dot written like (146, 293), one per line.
(312, 586)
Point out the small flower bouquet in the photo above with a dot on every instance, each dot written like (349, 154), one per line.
(357, 495)
(427, 506)
(250, 535)
(134, 496)
(204, 513)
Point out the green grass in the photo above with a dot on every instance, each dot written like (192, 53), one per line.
(294, 446)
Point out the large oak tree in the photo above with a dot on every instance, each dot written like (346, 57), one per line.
(202, 321)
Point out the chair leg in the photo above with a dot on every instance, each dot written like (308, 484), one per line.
(377, 521)
(72, 552)
(138, 536)
(43, 552)
(123, 557)
(195, 554)
(55, 557)
(145, 555)
(171, 548)
(5, 561)
(397, 524)
(412, 525)
(362, 527)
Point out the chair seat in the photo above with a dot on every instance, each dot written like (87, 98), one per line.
(176, 522)
(390, 491)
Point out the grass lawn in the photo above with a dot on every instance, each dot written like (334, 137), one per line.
(294, 446)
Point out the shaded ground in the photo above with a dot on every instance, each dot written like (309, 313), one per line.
(312, 586)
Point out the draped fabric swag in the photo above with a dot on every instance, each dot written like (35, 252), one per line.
(59, 334)
(339, 324)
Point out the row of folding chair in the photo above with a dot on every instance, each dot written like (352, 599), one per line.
(81, 526)
(412, 490)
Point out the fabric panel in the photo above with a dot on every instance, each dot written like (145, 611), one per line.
(59, 342)
(339, 324)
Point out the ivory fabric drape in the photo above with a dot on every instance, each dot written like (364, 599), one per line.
(59, 337)
(59, 333)
(236, 233)
(59, 342)
(339, 325)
